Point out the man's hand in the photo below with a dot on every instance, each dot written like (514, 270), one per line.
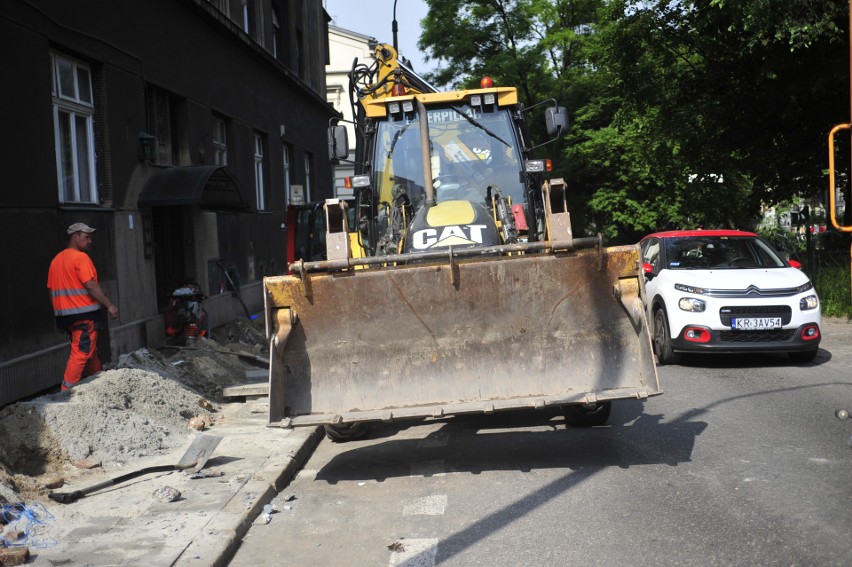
(95, 291)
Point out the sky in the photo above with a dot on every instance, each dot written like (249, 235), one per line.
(375, 18)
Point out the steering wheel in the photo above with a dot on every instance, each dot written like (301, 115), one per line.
(456, 187)
(739, 260)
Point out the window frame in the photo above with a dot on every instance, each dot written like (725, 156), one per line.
(79, 108)
(220, 145)
(309, 158)
(286, 165)
(259, 182)
(276, 31)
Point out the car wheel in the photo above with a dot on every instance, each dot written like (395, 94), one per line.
(346, 432)
(803, 356)
(663, 339)
(587, 415)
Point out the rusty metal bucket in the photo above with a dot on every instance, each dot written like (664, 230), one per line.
(481, 335)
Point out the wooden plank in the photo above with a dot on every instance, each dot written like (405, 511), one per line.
(258, 389)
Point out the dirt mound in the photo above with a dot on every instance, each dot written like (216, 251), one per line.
(113, 418)
(140, 408)
(205, 365)
(242, 334)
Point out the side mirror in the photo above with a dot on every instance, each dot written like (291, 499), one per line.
(556, 119)
(795, 264)
(338, 143)
(648, 270)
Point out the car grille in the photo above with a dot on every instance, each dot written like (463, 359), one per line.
(783, 311)
(756, 336)
(753, 291)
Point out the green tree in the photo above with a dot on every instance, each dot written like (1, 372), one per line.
(756, 86)
(685, 113)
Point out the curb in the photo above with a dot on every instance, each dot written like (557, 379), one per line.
(221, 537)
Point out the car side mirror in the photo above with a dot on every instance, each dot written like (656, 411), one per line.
(556, 120)
(338, 143)
(795, 264)
(648, 270)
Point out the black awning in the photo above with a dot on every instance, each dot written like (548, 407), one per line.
(211, 186)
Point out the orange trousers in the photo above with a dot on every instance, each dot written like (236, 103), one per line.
(84, 359)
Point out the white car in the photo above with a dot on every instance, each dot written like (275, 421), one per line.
(726, 291)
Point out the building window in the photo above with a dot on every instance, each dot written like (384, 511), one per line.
(308, 159)
(74, 132)
(252, 20)
(246, 15)
(286, 154)
(258, 172)
(302, 70)
(166, 120)
(220, 141)
(276, 32)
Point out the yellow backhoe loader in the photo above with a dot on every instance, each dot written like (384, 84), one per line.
(460, 288)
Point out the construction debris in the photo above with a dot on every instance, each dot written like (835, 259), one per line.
(200, 422)
(167, 494)
(14, 555)
(86, 464)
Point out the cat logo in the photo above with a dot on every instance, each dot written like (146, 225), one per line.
(449, 236)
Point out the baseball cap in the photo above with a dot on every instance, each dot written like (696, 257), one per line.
(80, 227)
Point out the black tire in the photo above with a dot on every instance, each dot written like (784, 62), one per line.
(587, 415)
(346, 432)
(663, 339)
(803, 356)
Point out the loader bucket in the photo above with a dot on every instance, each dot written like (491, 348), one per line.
(483, 335)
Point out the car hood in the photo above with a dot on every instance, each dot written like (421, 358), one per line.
(763, 278)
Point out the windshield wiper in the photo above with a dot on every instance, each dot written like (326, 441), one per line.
(396, 138)
(480, 126)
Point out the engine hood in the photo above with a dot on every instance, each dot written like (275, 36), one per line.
(451, 223)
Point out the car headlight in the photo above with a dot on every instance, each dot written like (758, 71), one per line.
(690, 289)
(805, 287)
(808, 303)
(691, 304)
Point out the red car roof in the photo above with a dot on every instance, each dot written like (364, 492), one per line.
(681, 233)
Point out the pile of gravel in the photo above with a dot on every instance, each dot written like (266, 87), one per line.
(141, 408)
(115, 416)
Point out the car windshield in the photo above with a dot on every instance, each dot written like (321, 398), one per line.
(719, 252)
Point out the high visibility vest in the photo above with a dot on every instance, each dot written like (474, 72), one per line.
(68, 271)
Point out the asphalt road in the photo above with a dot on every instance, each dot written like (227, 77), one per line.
(740, 462)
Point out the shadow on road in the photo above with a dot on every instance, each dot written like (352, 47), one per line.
(505, 441)
(750, 360)
(477, 443)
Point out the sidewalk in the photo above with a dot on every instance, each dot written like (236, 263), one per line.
(126, 525)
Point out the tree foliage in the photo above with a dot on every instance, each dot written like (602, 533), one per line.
(684, 113)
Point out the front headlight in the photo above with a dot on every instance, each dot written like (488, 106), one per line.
(808, 303)
(690, 289)
(691, 304)
(805, 287)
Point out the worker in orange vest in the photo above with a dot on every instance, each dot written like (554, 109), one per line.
(77, 298)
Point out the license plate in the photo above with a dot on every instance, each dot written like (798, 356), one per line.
(755, 323)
